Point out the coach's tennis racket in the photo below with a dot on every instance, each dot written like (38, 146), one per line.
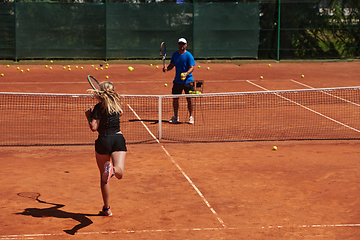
(93, 82)
(163, 52)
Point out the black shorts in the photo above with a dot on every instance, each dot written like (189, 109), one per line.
(107, 144)
(178, 88)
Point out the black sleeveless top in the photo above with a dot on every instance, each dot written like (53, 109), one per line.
(109, 124)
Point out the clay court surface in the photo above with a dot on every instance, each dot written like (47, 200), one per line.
(240, 190)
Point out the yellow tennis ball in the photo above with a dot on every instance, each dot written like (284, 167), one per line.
(275, 148)
(21, 70)
(17, 68)
(7, 65)
(107, 64)
(150, 64)
(46, 66)
(2, 75)
(107, 77)
(28, 70)
(199, 66)
(302, 76)
(130, 68)
(51, 61)
(182, 75)
(82, 67)
(106, 67)
(261, 77)
(96, 69)
(64, 67)
(208, 68)
(69, 69)
(165, 84)
(269, 65)
(50, 67)
(76, 67)
(157, 66)
(92, 65)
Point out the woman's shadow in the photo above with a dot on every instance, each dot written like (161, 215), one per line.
(55, 211)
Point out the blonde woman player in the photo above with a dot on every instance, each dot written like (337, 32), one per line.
(110, 145)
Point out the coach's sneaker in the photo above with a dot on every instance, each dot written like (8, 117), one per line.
(106, 212)
(108, 173)
(191, 120)
(174, 119)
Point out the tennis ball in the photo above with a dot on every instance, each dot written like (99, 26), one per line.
(191, 92)
(269, 65)
(182, 75)
(165, 84)
(101, 68)
(150, 64)
(76, 67)
(69, 66)
(7, 65)
(17, 68)
(130, 68)
(302, 76)
(208, 68)
(106, 67)
(107, 64)
(261, 77)
(64, 67)
(157, 66)
(46, 66)
(275, 148)
(82, 67)
(96, 69)
(21, 70)
(28, 70)
(2, 75)
(51, 61)
(199, 66)
(50, 67)
(107, 77)
(92, 65)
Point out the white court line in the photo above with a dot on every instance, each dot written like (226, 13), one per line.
(180, 169)
(42, 235)
(345, 100)
(320, 114)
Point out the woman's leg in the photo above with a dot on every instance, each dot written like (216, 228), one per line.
(118, 158)
(105, 188)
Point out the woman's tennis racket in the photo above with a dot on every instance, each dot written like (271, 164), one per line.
(31, 195)
(163, 52)
(93, 82)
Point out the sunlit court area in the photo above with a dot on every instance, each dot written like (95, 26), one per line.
(272, 151)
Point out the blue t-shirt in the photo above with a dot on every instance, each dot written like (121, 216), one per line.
(182, 64)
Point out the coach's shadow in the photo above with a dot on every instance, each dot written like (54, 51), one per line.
(55, 211)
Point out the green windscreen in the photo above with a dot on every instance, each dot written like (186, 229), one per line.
(7, 30)
(136, 30)
(119, 30)
(224, 31)
(60, 30)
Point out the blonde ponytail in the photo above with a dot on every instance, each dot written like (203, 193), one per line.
(109, 98)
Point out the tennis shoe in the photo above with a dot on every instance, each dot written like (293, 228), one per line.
(174, 119)
(191, 120)
(108, 173)
(106, 212)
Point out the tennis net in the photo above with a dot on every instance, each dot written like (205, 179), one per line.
(30, 119)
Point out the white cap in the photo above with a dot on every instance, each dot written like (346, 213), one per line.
(183, 40)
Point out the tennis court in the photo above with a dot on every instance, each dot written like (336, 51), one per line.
(185, 190)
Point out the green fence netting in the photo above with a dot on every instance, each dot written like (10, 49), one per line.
(124, 30)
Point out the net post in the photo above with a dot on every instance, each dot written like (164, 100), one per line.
(160, 116)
